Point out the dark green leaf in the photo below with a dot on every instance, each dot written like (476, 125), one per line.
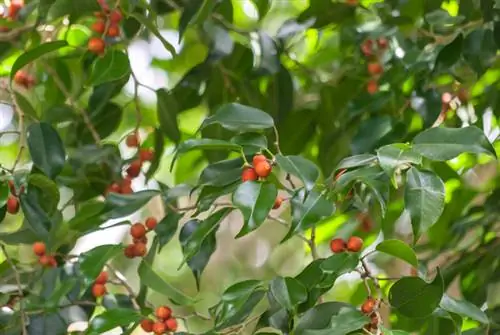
(356, 161)
(167, 228)
(251, 142)
(241, 290)
(326, 12)
(188, 14)
(463, 308)
(158, 148)
(339, 264)
(88, 216)
(298, 166)
(450, 54)
(48, 192)
(240, 118)
(396, 156)
(167, 110)
(319, 317)
(236, 312)
(112, 66)
(46, 148)
(25, 105)
(4, 193)
(105, 120)
(38, 220)
(347, 321)
(266, 54)
(120, 205)
(398, 249)
(92, 262)
(288, 292)
(479, 49)
(113, 318)
(222, 173)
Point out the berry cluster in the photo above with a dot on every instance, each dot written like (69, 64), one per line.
(48, 261)
(372, 52)
(368, 308)
(12, 200)
(138, 247)
(353, 244)
(107, 24)
(99, 287)
(11, 12)
(164, 323)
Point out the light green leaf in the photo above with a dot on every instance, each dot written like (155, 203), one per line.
(120, 205)
(113, 318)
(240, 118)
(112, 66)
(339, 264)
(396, 156)
(398, 249)
(464, 308)
(356, 161)
(92, 262)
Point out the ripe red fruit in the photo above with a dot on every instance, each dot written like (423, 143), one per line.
(258, 158)
(263, 169)
(159, 328)
(137, 230)
(127, 189)
(98, 290)
(14, 8)
(163, 312)
(39, 248)
(368, 306)
(147, 325)
(134, 168)
(375, 68)
(114, 188)
(354, 244)
(372, 87)
(277, 202)
(140, 249)
(102, 278)
(129, 251)
(382, 43)
(52, 262)
(151, 223)
(146, 155)
(44, 260)
(171, 324)
(249, 174)
(12, 205)
(113, 30)
(367, 48)
(96, 45)
(115, 16)
(132, 140)
(99, 26)
(337, 245)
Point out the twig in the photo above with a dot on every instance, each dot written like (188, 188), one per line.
(312, 244)
(19, 290)
(14, 33)
(137, 103)
(277, 139)
(284, 223)
(123, 281)
(288, 178)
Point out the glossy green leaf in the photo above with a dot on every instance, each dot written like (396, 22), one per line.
(120, 205)
(167, 110)
(398, 249)
(36, 217)
(347, 321)
(415, 298)
(46, 148)
(4, 193)
(288, 292)
(241, 290)
(158, 148)
(450, 54)
(234, 312)
(93, 261)
(88, 216)
(447, 143)
(356, 161)
(396, 156)
(251, 142)
(113, 318)
(255, 200)
(463, 308)
(25, 105)
(149, 24)
(319, 317)
(112, 66)
(48, 191)
(339, 264)
(206, 144)
(166, 229)
(222, 173)
(424, 199)
(300, 167)
(240, 118)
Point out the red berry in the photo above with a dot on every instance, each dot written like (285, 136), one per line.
(102, 278)
(258, 158)
(132, 140)
(163, 312)
(337, 245)
(151, 223)
(159, 328)
(140, 249)
(96, 45)
(263, 169)
(134, 168)
(367, 48)
(12, 205)
(146, 155)
(352, 2)
(126, 189)
(372, 87)
(375, 68)
(99, 26)
(171, 324)
(277, 202)
(115, 16)
(137, 230)
(52, 262)
(354, 244)
(382, 43)
(129, 251)
(368, 306)
(113, 30)
(114, 188)
(14, 8)
(147, 325)
(249, 174)
(98, 290)
(44, 260)
(39, 248)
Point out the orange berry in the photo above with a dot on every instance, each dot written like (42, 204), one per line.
(143, 239)
(102, 278)
(163, 312)
(151, 223)
(258, 158)
(171, 324)
(249, 174)
(134, 168)
(96, 45)
(140, 249)
(113, 30)
(132, 140)
(44, 260)
(368, 306)
(277, 202)
(375, 68)
(20, 78)
(337, 245)
(52, 262)
(367, 48)
(372, 87)
(147, 325)
(146, 155)
(382, 43)
(129, 251)
(114, 188)
(354, 244)
(99, 26)
(126, 189)
(263, 169)
(12, 205)
(159, 328)
(39, 248)
(14, 8)
(98, 290)
(137, 230)
(115, 16)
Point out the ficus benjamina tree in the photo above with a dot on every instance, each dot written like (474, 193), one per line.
(300, 167)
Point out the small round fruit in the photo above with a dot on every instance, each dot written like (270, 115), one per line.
(367, 48)
(134, 168)
(368, 306)
(354, 244)
(159, 328)
(277, 202)
(126, 182)
(44, 260)
(132, 140)
(14, 8)
(263, 169)
(375, 68)
(146, 155)
(258, 158)
(98, 290)
(382, 43)
(12, 205)
(249, 174)
(337, 245)
(39, 248)
(113, 30)
(151, 223)
(126, 189)
(96, 45)
(102, 278)
(99, 26)
(114, 188)
(115, 16)
(147, 325)
(20, 78)
(372, 87)
(140, 249)
(129, 251)
(163, 312)
(52, 262)
(171, 324)
(137, 230)
(446, 98)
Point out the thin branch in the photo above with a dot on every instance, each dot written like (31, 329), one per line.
(312, 243)
(277, 139)
(284, 223)
(137, 103)
(13, 35)
(123, 282)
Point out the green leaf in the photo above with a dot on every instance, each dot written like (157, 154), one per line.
(206, 144)
(120, 205)
(241, 290)
(463, 308)
(64, 289)
(25, 105)
(113, 318)
(398, 249)
(347, 321)
(112, 66)
(446, 143)
(319, 317)
(251, 142)
(88, 216)
(298, 166)
(288, 292)
(222, 173)
(339, 264)
(356, 161)
(234, 312)
(255, 200)
(46, 148)
(92, 262)
(158, 148)
(450, 54)
(151, 27)
(166, 228)
(414, 298)
(479, 49)
(35, 53)
(266, 55)
(240, 118)
(396, 156)
(38, 220)
(69, 7)
(152, 280)
(4, 193)
(167, 110)
(424, 199)
(48, 192)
